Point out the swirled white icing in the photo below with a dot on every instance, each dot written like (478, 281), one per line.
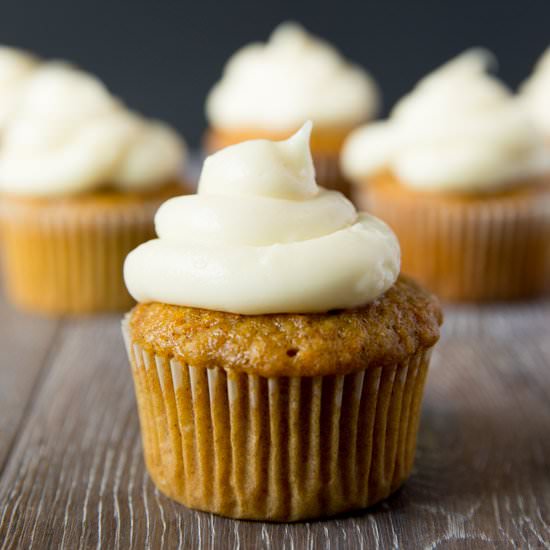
(292, 78)
(69, 135)
(459, 130)
(16, 67)
(262, 237)
(535, 93)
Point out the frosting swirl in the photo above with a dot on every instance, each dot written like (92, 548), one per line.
(69, 135)
(262, 237)
(534, 93)
(291, 78)
(459, 130)
(16, 67)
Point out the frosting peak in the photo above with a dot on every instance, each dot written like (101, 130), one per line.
(291, 78)
(462, 83)
(262, 237)
(241, 169)
(70, 135)
(460, 129)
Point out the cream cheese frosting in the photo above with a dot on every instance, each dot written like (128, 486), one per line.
(535, 93)
(292, 78)
(262, 237)
(16, 67)
(70, 135)
(460, 129)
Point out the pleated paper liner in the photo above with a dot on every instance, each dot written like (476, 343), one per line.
(69, 260)
(282, 448)
(484, 249)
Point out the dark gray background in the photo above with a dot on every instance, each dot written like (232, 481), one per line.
(162, 56)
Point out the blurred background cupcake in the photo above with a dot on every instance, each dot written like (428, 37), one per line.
(269, 89)
(80, 179)
(16, 67)
(534, 94)
(461, 174)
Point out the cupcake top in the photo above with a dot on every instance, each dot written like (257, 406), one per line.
(460, 129)
(262, 237)
(535, 93)
(70, 135)
(383, 332)
(16, 66)
(291, 78)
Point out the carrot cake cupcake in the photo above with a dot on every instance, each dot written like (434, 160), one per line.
(80, 179)
(269, 90)
(461, 174)
(278, 360)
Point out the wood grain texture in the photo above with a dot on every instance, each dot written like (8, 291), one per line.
(25, 343)
(75, 476)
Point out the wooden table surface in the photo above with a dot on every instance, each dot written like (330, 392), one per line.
(72, 473)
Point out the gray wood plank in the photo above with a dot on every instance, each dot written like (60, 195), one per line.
(76, 479)
(24, 345)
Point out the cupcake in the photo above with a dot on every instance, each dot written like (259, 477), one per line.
(16, 67)
(268, 90)
(80, 179)
(534, 94)
(278, 360)
(461, 175)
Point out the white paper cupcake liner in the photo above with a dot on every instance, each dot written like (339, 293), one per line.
(283, 448)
